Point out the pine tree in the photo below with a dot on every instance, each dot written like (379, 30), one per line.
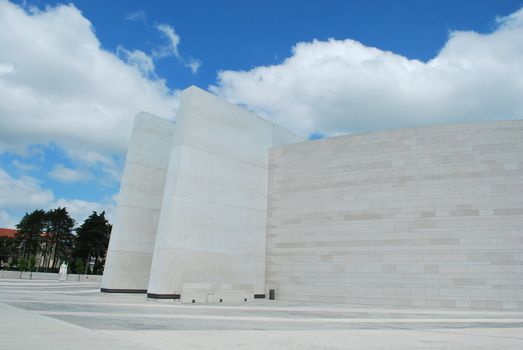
(92, 240)
(30, 231)
(59, 235)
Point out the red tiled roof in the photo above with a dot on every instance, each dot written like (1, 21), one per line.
(7, 232)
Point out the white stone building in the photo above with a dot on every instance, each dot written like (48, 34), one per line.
(224, 206)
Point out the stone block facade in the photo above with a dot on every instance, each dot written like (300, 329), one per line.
(422, 217)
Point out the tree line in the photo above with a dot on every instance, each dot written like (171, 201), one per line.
(45, 239)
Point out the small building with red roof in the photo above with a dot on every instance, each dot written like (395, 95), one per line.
(7, 232)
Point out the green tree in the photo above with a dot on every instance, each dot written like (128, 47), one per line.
(22, 264)
(8, 248)
(92, 241)
(78, 266)
(59, 236)
(32, 263)
(30, 231)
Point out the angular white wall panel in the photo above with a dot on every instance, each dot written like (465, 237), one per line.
(212, 228)
(139, 202)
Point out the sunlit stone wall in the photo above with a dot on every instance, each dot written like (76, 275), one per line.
(139, 203)
(211, 235)
(428, 217)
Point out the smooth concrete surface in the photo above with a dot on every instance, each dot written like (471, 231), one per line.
(139, 202)
(212, 226)
(52, 315)
(423, 217)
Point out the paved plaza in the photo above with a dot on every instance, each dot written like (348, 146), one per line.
(68, 315)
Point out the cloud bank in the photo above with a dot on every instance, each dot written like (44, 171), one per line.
(59, 85)
(26, 193)
(61, 91)
(342, 86)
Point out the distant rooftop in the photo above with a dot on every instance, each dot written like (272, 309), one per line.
(7, 232)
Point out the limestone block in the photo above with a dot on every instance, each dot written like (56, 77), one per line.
(411, 217)
(212, 225)
(139, 201)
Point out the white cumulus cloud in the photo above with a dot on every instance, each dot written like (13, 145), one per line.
(57, 84)
(138, 59)
(80, 209)
(64, 174)
(6, 220)
(343, 86)
(23, 192)
(26, 193)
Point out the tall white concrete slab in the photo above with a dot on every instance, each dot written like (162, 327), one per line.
(139, 202)
(421, 217)
(212, 228)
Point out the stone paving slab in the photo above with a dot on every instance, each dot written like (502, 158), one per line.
(477, 339)
(24, 330)
(76, 316)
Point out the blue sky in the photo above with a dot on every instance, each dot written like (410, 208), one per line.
(73, 75)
